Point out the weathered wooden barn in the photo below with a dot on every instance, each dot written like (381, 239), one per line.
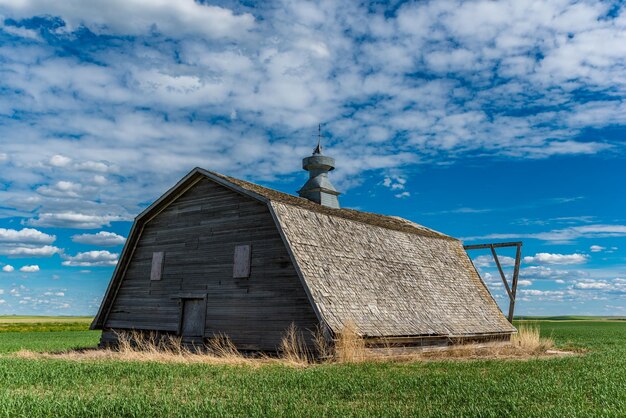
(219, 255)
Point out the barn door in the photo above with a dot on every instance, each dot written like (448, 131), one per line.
(193, 314)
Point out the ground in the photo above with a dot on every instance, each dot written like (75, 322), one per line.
(592, 384)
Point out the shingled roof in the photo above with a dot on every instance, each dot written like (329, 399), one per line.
(388, 282)
(387, 275)
(374, 219)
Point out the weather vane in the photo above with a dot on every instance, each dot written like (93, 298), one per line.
(318, 149)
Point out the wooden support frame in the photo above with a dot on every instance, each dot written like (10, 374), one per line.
(512, 289)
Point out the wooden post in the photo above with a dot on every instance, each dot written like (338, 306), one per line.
(518, 257)
(511, 290)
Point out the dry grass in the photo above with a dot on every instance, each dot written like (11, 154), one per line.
(528, 339)
(348, 347)
(527, 343)
(150, 347)
(293, 349)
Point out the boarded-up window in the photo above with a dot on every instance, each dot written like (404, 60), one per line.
(241, 266)
(157, 265)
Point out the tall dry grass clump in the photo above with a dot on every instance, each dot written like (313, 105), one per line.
(349, 345)
(528, 339)
(293, 348)
(323, 347)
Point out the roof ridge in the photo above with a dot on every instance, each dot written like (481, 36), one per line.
(375, 219)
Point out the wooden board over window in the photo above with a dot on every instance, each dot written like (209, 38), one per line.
(193, 316)
(241, 266)
(157, 265)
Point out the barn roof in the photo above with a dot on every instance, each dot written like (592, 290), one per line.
(374, 219)
(387, 275)
(388, 282)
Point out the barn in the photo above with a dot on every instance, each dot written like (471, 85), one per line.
(218, 255)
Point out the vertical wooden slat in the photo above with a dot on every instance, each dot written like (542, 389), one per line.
(157, 265)
(518, 258)
(241, 262)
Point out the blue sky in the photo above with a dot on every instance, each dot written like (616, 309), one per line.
(486, 121)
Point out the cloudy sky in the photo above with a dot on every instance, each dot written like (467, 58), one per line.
(489, 121)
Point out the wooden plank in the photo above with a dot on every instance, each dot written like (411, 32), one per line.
(495, 245)
(497, 260)
(194, 311)
(157, 265)
(241, 263)
(518, 258)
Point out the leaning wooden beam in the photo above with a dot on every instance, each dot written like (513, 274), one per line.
(506, 284)
(518, 257)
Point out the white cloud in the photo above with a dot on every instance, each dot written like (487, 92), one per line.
(64, 188)
(596, 248)
(19, 251)
(102, 238)
(536, 292)
(70, 219)
(60, 294)
(59, 160)
(19, 31)
(524, 283)
(95, 166)
(547, 273)
(592, 285)
(282, 71)
(25, 236)
(26, 242)
(402, 195)
(136, 17)
(92, 258)
(8, 268)
(565, 235)
(29, 269)
(2, 301)
(615, 286)
(548, 258)
(488, 261)
(394, 182)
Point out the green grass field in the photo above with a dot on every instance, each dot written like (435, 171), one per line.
(593, 384)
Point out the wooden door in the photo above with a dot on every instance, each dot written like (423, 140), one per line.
(192, 324)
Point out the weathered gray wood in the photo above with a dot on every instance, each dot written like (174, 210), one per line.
(253, 311)
(518, 259)
(194, 311)
(495, 245)
(157, 265)
(497, 260)
(241, 263)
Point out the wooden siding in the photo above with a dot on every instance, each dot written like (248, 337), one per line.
(198, 233)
